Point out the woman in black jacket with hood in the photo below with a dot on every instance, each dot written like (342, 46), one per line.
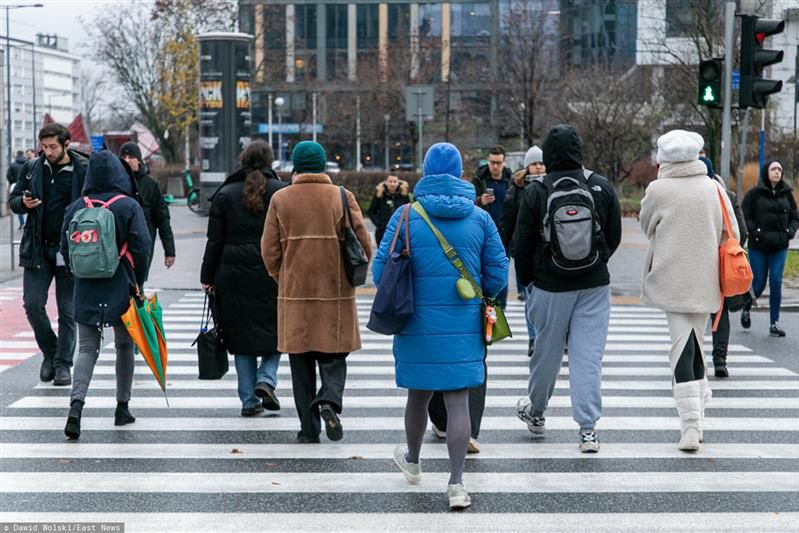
(100, 303)
(771, 218)
(245, 297)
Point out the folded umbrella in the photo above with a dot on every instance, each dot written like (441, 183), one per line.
(144, 322)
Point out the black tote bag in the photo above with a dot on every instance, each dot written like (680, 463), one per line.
(356, 265)
(212, 357)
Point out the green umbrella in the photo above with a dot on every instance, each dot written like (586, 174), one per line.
(144, 322)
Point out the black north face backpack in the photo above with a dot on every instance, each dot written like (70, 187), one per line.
(571, 226)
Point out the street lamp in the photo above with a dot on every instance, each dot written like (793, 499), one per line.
(279, 102)
(8, 72)
(387, 118)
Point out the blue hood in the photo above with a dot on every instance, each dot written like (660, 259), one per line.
(445, 196)
(107, 173)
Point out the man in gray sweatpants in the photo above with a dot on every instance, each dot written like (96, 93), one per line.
(568, 226)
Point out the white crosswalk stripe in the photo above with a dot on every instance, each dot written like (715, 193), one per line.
(205, 465)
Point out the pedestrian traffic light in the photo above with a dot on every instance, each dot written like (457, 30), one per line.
(754, 89)
(710, 72)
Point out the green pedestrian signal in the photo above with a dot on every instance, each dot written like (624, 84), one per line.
(710, 72)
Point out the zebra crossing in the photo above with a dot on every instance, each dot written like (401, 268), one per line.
(198, 466)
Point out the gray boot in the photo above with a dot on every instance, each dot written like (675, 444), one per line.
(689, 407)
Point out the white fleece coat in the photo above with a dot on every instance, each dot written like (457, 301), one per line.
(681, 216)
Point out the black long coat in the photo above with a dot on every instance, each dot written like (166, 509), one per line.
(246, 296)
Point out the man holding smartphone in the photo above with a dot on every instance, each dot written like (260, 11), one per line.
(46, 185)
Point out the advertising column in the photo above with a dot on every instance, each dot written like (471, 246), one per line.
(225, 117)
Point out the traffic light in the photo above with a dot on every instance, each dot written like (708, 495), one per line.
(710, 73)
(754, 90)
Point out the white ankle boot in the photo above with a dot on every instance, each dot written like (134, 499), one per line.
(705, 394)
(689, 407)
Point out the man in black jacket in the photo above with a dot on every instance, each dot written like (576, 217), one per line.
(45, 187)
(156, 210)
(569, 301)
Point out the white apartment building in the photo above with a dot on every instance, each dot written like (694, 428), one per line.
(47, 65)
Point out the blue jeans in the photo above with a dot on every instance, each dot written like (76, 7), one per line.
(250, 373)
(21, 219)
(768, 265)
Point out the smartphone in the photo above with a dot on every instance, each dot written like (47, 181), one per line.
(490, 191)
(29, 195)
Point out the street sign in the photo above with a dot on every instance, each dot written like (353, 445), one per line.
(290, 128)
(419, 97)
(736, 80)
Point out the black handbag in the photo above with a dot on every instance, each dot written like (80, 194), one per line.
(356, 264)
(212, 355)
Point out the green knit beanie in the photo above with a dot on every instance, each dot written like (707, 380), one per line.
(309, 157)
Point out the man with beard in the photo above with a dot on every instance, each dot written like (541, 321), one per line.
(46, 185)
(156, 210)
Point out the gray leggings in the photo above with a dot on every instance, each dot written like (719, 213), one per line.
(89, 351)
(458, 427)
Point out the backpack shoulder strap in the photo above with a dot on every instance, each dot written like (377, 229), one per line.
(114, 199)
(449, 250)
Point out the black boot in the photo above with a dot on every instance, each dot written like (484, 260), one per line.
(720, 367)
(122, 415)
(72, 429)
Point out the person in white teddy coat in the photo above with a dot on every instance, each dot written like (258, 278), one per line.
(682, 218)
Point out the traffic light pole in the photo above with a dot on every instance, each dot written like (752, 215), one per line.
(739, 186)
(726, 121)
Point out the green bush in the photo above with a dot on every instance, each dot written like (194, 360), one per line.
(630, 206)
(792, 264)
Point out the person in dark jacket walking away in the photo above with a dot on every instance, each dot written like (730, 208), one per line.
(245, 296)
(564, 306)
(101, 302)
(491, 185)
(156, 210)
(442, 347)
(721, 337)
(45, 187)
(11, 176)
(772, 220)
(389, 195)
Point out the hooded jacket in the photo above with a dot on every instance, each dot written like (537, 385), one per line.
(31, 177)
(245, 306)
(770, 214)
(563, 157)
(13, 169)
(521, 179)
(103, 301)
(384, 203)
(156, 210)
(441, 347)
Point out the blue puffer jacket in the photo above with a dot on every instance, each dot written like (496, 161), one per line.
(441, 348)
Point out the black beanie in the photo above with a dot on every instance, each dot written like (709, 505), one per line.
(131, 149)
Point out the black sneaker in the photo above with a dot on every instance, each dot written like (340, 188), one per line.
(46, 371)
(252, 411)
(72, 429)
(268, 397)
(776, 331)
(332, 423)
(302, 438)
(746, 320)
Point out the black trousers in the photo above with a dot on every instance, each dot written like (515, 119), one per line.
(721, 337)
(35, 288)
(477, 402)
(333, 373)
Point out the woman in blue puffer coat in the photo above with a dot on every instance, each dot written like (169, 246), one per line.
(441, 348)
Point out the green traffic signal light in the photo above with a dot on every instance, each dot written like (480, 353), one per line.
(709, 93)
(709, 96)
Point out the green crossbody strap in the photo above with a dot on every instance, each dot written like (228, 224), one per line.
(449, 250)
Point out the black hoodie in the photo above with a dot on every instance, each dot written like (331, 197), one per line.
(563, 156)
(770, 214)
(103, 301)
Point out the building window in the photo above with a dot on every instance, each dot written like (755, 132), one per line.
(336, 26)
(429, 20)
(679, 17)
(399, 21)
(471, 20)
(305, 26)
(368, 26)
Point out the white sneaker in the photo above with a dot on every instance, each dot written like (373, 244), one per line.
(458, 497)
(474, 446)
(411, 471)
(438, 433)
(589, 443)
(535, 424)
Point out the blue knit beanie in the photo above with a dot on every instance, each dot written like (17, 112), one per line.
(443, 158)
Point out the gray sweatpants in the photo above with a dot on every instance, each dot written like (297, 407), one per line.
(89, 351)
(581, 318)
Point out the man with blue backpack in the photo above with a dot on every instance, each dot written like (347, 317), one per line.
(568, 226)
(106, 246)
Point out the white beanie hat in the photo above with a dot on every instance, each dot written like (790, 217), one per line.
(533, 155)
(678, 146)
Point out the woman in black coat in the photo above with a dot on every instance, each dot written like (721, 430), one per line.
(771, 218)
(389, 195)
(245, 297)
(101, 302)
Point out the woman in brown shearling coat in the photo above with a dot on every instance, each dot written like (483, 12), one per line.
(317, 315)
